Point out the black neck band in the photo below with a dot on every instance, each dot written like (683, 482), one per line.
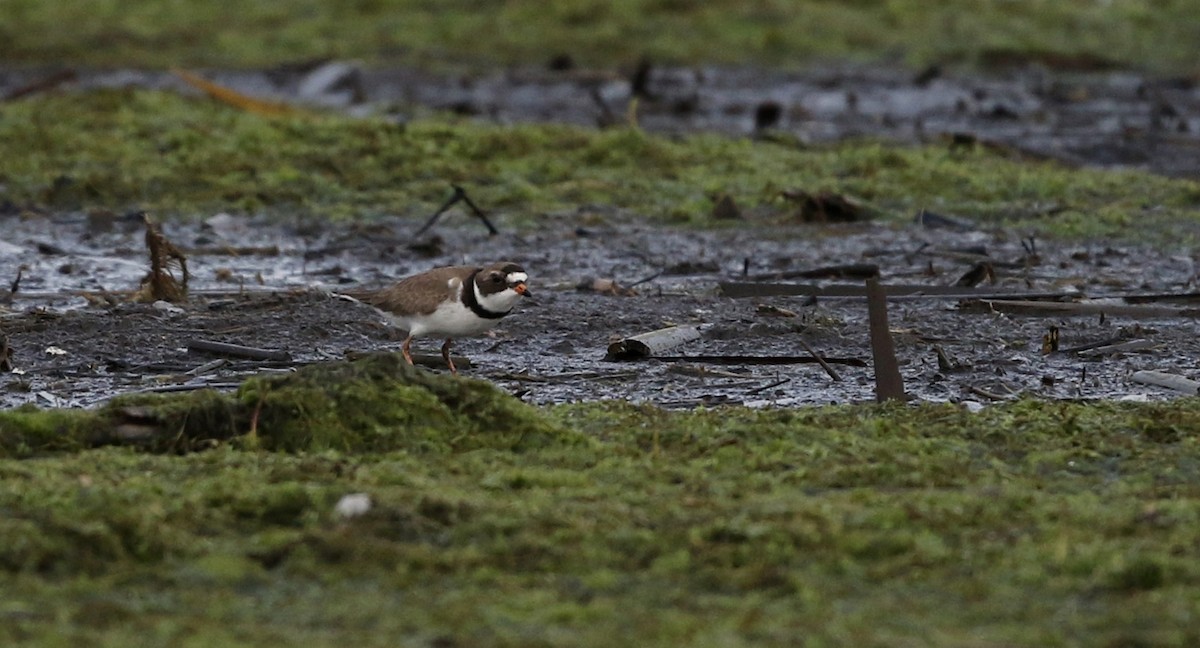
(472, 302)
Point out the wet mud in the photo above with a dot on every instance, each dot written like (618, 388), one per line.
(1103, 119)
(75, 340)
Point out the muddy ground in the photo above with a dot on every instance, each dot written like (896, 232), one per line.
(265, 284)
(1107, 119)
(75, 342)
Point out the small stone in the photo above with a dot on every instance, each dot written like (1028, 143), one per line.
(167, 307)
(352, 505)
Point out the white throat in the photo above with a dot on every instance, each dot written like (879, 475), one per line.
(500, 302)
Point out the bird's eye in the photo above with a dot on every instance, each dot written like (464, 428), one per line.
(497, 278)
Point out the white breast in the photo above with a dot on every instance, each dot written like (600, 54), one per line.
(452, 318)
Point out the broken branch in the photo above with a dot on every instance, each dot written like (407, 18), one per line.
(1024, 307)
(738, 289)
(760, 360)
(236, 350)
(824, 365)
(459, 194)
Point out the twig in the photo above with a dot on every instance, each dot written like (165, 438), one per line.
(760, 360)
(41, 85)
(1091, 345)
(980, 391)
(889, 385)
(207, 367)
(459, 194)
(478, 212)
(893, 291)
(652, 277)
(164, 389)
(518, 377)
(236, 350)
(1123, 347)
(759, 390)
(16, 282)
(847, 271)
(684, 369)
(824, 365)
(435, 360)
(1022, 307)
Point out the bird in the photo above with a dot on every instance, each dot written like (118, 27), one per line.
(450, 302)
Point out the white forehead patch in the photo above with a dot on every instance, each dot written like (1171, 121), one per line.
(517, 277)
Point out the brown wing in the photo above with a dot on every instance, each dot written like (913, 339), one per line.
(416, 295)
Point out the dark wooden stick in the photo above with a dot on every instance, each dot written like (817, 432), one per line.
(435, 361)
(847, 271)
(1092, 345)
(760, 360)
(454, 198)
(1025, 307)
(652, 277)
(824, 365)
(893, 291)
(478, 212)
(1120, 347)
(235, 350)
(889, 385)
(980, 391)
(759, 390)
(459, 194)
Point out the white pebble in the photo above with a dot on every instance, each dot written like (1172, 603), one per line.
(353, 505)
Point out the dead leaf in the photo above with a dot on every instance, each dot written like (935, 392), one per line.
(605, 287)
(826, 207)
(233, 97)
(160, 283)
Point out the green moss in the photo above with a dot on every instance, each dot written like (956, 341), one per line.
(1161, 35)
(27, 428)
(177, 155)
(1027, 524)
(383, 403)
(377, 403)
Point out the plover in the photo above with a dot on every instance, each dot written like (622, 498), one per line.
(450, 302)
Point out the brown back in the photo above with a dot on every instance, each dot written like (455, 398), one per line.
(419, 294)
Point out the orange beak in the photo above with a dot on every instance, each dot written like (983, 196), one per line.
(521, 289)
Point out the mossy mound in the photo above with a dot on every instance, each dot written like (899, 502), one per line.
(374, 404)
(382, 403)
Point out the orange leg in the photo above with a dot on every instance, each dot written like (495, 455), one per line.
(446, 355)
(404, 349)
